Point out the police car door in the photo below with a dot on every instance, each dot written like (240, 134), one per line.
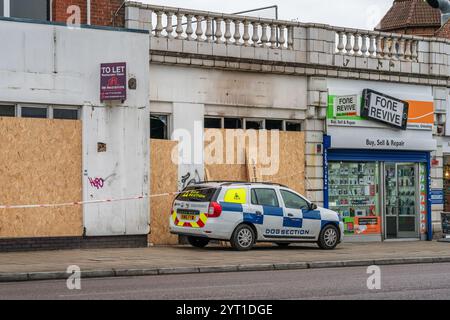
(296, 222)
(266, 205)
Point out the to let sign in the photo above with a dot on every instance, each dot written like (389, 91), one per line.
(386, 109)
(113, 81)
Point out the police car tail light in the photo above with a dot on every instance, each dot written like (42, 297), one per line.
(215, 210)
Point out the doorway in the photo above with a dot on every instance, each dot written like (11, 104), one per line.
(401, 200)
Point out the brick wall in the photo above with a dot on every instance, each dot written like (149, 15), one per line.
(102, 12)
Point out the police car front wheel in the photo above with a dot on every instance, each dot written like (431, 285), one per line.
(243, 238)
(328, 238)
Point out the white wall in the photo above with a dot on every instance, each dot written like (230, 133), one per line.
(227, 88)
(49, 64)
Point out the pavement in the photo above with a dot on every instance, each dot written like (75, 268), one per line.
(399, 282)
(45, 265)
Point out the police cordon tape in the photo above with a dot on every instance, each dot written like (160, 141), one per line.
(78, 203)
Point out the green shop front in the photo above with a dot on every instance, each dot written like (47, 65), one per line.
(377, 159)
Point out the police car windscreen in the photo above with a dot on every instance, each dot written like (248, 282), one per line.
(197, 194)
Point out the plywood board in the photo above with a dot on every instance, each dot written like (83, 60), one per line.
(289, 165)
(40, 164)
(163, 179)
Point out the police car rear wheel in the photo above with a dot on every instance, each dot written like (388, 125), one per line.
(198, 242)
(243, 238)
(328, 238)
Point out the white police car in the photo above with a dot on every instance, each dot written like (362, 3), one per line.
(245, 213)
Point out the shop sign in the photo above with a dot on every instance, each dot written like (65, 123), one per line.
(385, 109)
(437, 196)
(346, 106)
(113, 81)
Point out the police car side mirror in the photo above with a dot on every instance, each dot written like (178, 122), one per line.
(312, 206)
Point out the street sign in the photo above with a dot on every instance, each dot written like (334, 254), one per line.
(383, 108)
(113, 81)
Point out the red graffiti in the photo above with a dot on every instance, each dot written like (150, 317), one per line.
(97, 182)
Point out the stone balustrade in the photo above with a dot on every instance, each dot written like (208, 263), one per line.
(207, 36)
(363, 43)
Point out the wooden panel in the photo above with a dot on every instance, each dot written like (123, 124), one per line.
(40, 164)
(163, 179)
(291, 160)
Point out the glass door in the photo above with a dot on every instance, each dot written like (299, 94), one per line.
(401, 200)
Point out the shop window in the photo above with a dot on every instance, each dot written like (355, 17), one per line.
(293, 126)
(159, 126)
(7, 111)
(213, 123)
(254, 124)
(30, 9)
(232, 123)
(65, 114)
(293, 201)
(274, 125)
(265, 197)
(354, 194)
(32, 112)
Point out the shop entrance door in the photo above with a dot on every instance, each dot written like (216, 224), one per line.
(401, 200)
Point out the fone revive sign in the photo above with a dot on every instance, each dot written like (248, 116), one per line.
(113, 81)
(386, 109)
(346, 106)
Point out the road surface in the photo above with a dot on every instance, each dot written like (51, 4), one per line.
(424, 281)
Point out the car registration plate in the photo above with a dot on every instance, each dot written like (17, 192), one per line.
(188, 217)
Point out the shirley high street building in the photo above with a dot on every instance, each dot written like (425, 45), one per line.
(89, 116)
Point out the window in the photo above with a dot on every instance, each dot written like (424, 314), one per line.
(7, 111)
(232, 123)
(293, 201)
(1, 8)
(159, 126)
(30, 9)
(32, 112)
(254, 124)
(213, 123)
(293, 126)
(68, 114)
(274, 125)
(265, 197)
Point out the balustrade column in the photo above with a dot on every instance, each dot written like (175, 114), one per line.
(169, 26)
(356, 45)
(218, 33)
(246, 36)
(386, 50)
(408, 49)
(199, 30)
(264, 38)
(290, 35)
(393, 52)
(237, 32)
(282, 39)
(273, 36)
(348, 46)
(227, 31)
(159, 26)
(364, 48)
(401, 49)
(189, 29)
(372, 46)
(179, 29)
(255, 37)
(414, 54)
(379, 47)
(340, 45)
(208, 32)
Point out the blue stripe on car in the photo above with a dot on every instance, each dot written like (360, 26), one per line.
(253, 218)
(323, 223)
(312, 215)
(233, 207)
(292, 222)
(273, 211)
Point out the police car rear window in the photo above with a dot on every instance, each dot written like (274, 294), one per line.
(197, 194)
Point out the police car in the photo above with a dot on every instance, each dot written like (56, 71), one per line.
(245, 213)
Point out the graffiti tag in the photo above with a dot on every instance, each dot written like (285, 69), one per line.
(97, 182)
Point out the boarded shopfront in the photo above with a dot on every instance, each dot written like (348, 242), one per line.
(377, 159)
